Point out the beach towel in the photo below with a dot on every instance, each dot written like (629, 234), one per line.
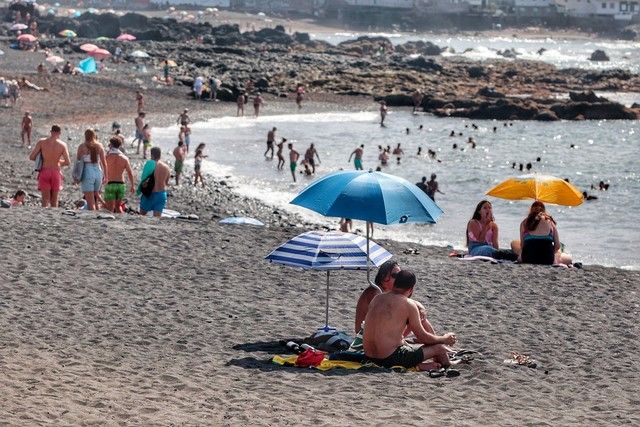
(148, 170)
(324, 365)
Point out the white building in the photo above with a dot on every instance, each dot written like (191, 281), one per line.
(396, 4)
(617, 9)
(533, 7)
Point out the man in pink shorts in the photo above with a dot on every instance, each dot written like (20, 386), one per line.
(55, 155)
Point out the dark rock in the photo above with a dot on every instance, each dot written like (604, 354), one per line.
(262, 83)
(301, 37)
(269, 36)
(367, 45)
(489, 92)
(280, 28)
(476, 71)
(593, 111)
(599, 55)
(546, 116)
(226, 94)
(396, 100)
(510, 73)
(134, 21)
(589, 96)
(424, 64)
(508, 53)
(635, 105)
(225, 30)
(421, 47)
(628, 34)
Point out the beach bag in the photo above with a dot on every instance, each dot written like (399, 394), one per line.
(309, 357)
(146, 186)
(329, 341)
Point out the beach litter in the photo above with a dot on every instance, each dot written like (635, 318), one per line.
(520, 359)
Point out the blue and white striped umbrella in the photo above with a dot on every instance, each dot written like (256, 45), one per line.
(334, 250)
(317, 250)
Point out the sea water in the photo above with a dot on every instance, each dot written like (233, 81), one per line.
(563, 53)
(603, 231)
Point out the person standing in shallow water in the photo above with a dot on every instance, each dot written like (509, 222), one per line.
(383, 112)
(271, 138)
(357, 161)
(433, 188)
(293, 160)
(257, 103)
(240, 100)
(281, 160)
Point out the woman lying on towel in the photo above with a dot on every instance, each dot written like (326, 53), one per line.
(539, 240)
(482, 234)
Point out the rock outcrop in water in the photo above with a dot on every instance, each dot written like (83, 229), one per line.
(368, 66)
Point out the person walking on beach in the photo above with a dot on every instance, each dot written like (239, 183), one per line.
(433, 188)
(139, 122)
(156, 200)
(299, 95)
(91, 153)
(281, 160)
(183, 118)
(140, 101)
(357, 161)
(50, 179)
(271, 138)
(146, 139)
(383, 112)
(165, 71)
(389, 316)
(293, 160)
(416, 97)
(309, 157)
(180, 153)
(257, 103)
(240, 101)
(27, 126)
(197, 165)
(117, 165)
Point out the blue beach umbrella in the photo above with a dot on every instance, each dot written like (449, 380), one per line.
(368, 196)
(318, 250)
(241, 220)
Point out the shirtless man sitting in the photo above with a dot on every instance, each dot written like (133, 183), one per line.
(388, 316)
(55, 155)
(117, 165)
(158, 198)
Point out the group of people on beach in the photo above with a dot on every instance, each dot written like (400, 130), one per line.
(539, 241)
(394, 327)
(100, 173)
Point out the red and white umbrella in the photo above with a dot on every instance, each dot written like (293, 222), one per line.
(53, 59)
(100, 53)
(89, 47)
(126, 37)
(27, 38)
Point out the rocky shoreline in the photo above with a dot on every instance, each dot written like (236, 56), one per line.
(275, 62)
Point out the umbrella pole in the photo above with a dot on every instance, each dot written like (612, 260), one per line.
(368, 249)
(326, 312)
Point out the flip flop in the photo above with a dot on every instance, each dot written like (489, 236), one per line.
(436, 373)
(452, 373)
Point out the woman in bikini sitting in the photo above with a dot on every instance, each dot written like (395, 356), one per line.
(482, 234)
(539, 240)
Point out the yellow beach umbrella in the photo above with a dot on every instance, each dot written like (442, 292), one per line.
(545, 188)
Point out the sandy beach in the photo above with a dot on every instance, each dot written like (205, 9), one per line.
(139, 321)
